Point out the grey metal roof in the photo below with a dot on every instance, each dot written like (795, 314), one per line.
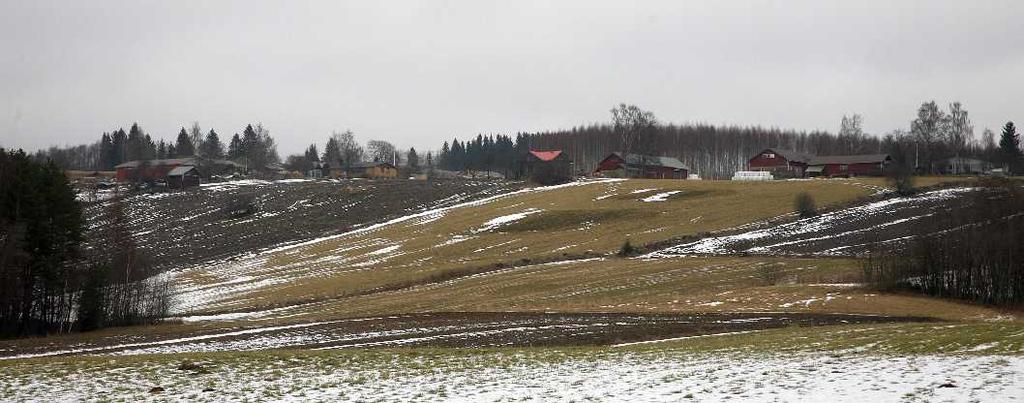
(648, 160)
(181, 170)
(849, 159)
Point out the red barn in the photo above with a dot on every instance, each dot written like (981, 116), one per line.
(780, 162)
(642, 166)
(849, 165)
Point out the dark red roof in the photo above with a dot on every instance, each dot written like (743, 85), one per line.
(546, 155)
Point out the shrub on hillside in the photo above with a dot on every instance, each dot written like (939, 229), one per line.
(627, 249)
(805, 205)
(902, 179)
(770, 274)
(241, 206)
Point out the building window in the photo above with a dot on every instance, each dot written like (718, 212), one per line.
(842, 167)
(769, 155)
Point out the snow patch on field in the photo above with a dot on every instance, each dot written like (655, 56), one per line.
(548, 375)
(660, 197)
(497, 222)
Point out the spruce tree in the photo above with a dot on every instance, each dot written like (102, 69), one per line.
(1009, 147)
(413, 161)
(184, 145)
(107, 153)
(212, 147)
(120, 142)
(235, 147)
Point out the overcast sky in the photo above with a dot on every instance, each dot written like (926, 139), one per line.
(415, 73)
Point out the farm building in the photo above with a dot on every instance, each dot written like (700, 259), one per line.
(641, 166)
(962, 166)
(780, 162)
(152, 170)
(848, 165)
(547, 167)
(371, 170)
(183, 176)
(317, 170)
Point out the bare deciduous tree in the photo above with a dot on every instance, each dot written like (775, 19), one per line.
(382, 151)
(634, 126)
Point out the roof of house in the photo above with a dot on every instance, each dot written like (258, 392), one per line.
(546, 155)
(849, 159)
(790, 155)
(648, 160)
(181, 170)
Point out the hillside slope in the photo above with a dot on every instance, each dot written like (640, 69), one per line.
(188, 227)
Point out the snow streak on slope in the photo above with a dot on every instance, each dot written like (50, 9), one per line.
(844, 232)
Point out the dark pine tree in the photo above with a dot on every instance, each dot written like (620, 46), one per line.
(1009, 148)
(184, 145)
(212, 147)
(235, 148)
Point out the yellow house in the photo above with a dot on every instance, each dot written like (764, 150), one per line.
(373, 170)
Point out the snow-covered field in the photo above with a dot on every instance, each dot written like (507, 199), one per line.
(530, 375)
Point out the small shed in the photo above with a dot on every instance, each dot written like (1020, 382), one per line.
(642, 166)
(548, 167)
(316, 171)
(183, 176)
(963, 166)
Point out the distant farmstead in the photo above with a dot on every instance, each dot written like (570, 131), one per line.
(548, 167)
(849, 165)
(154, 170)
(372, 170)
(619, 165)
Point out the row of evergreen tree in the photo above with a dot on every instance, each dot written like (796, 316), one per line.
(254, 147)
(717, 152)
(48, 282)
